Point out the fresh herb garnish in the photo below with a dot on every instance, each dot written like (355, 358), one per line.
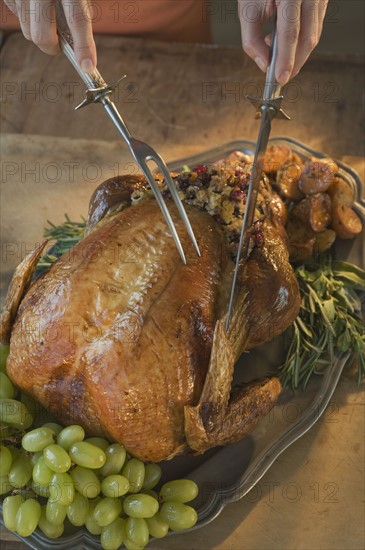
(66, 236)
(330, 320)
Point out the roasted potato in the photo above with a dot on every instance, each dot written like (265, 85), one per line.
(287, 179)
(345, 222)
(314, 210)
(341, 193)
(239, 157)
(301, 240)
(276, 156)
(324, 240)
(332, 164)
(317, 176)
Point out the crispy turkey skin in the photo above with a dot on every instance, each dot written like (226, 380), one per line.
(121, 337)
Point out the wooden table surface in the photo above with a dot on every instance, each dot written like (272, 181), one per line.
(183, 99)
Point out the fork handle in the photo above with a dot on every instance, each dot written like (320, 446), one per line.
(93, 79)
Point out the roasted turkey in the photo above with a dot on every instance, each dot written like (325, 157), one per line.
(121, 337)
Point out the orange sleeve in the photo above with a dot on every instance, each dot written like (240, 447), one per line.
(175, 20)
(8, 20)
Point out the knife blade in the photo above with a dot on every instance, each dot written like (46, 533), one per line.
(268, 107)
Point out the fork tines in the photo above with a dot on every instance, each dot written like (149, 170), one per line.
(144, 153)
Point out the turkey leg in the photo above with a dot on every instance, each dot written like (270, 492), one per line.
(220, 418)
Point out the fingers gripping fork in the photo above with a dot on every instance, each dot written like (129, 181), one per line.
(99, 92)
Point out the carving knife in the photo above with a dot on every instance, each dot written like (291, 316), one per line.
(268, 108)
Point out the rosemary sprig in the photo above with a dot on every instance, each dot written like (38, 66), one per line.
(66, 236)
(329, 321)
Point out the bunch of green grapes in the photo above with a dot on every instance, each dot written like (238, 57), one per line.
(54, 475)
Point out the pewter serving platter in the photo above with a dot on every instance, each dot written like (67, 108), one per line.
(291, 418)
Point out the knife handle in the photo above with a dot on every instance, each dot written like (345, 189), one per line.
(272, 88)
(93, 79)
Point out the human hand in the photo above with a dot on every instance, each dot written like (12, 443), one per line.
(38, 23)
(299, 27)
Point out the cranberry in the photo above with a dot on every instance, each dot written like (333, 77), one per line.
(238, 195)
(203, 173)
(201, 169)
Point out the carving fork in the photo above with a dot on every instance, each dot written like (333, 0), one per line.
(98, 91)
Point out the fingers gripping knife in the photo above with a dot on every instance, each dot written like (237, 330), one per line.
(268, 108)
(99, 91)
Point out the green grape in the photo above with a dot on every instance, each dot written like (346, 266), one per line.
(116, 456)
(100, 442)
(137, 531)
(90, 522)
(15, 413)
(157, 527)
(51, 530)
(140, 506)
(113, 535)
(70, 435)
(87, 455)
(180, 490)
(107, 510)
(27, 517)
(178, 516)
(38, 439)
(62, 489)
(15, 452)
(41, 473)
(55, 512)
(56, 458)
(86, 482)
(134, 471)
(5, 485)
(20, 472)
(34, 457)
(10, 507)
(150, 492)
(152, 476)
(6, 461)
(4, 352)
(41, 490)
(56, 428)
(7, 390)
(115, 459)
(78, 510)
(130, 545)
(114, 486)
